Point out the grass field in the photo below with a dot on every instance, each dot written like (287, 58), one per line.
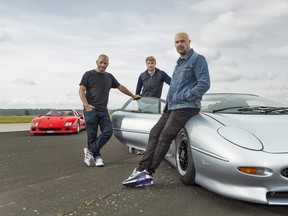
(15, 119)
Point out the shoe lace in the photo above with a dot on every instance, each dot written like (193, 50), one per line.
(88, 156)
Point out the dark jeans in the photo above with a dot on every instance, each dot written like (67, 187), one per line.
(94, 119)
(162, 135)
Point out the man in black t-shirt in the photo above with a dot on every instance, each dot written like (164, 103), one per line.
(94, 91)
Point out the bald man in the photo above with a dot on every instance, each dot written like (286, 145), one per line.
(190, 81)
(94, 91)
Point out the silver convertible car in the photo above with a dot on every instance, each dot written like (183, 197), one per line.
(237, 146)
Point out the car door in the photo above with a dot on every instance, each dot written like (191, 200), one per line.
(133, 122)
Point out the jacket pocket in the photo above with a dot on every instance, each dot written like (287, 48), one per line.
(185, 73)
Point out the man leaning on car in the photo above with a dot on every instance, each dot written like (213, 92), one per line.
(190, 81)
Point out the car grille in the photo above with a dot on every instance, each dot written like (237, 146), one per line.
(284, 172)
(278, 195)
(50, 129)
(277, 198)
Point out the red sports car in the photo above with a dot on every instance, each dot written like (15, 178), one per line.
(58, 121)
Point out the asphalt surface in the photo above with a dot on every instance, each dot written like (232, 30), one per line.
(14, 127)
(45, 175)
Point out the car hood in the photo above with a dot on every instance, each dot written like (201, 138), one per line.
(53, 121)
(271, 130)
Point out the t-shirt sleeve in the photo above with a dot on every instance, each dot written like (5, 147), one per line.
(115, 83)
(84, 80)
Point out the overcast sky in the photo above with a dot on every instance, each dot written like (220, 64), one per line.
(46, 46)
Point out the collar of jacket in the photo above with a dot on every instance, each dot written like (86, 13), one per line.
(188, 54)
(156, 70)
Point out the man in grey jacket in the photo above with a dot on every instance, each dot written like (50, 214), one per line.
(190, 81)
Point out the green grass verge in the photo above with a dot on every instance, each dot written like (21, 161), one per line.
(16, 119)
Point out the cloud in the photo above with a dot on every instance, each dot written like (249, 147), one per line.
(25, 81)
(4, 35)
(212, 6)
(224, 69)
(280, 52)
(240, 26)
(23, 102)
(210, 53)
(40, 102)
(52, 43)
(225, 74)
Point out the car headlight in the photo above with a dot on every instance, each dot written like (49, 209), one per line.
(258, 171)
(68, 124)
(240, 137)
(34, 124)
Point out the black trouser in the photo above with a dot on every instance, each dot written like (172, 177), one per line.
(162, 135)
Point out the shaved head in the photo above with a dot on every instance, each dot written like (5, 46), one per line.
(182, 43)
(182, 35)
(102, 63)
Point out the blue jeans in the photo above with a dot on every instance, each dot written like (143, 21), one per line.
(94, 119)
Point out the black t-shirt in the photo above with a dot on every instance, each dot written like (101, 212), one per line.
(98, 86)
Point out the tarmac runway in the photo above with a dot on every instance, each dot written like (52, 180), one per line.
(14, 127)
(45, 175)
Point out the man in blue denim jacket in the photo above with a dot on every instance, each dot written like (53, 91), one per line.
(190, 80)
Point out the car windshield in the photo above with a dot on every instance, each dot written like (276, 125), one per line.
(242, 103)
(60, 113)
(144, 105)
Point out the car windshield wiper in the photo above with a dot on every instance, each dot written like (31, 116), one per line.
(259, 109)
(227, 108)
(265, 109)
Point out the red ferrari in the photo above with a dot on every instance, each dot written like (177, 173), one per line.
(58, 121)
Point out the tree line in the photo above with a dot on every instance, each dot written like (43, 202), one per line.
(21, 112)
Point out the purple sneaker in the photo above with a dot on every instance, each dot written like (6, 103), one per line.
(144, 184)
(138, 178)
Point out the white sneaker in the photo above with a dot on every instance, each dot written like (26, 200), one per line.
(140, 152)
(88, 157)
(99, 162)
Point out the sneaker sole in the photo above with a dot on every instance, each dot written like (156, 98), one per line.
(146, 184)
(89, 165)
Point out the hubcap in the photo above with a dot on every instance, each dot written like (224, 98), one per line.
(183, 154)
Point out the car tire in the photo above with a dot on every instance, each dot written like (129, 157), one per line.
(132, 150)
(78, 128)
(184, 160)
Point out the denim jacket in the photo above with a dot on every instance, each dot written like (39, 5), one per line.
(190, 81)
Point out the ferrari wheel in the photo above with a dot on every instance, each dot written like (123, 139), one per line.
(184, 161)
(78, 128)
